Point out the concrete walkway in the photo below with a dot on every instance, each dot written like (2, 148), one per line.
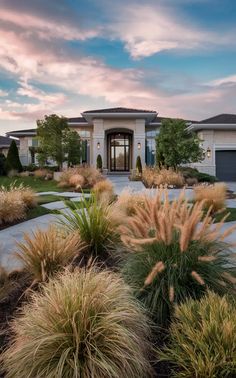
(10, 236)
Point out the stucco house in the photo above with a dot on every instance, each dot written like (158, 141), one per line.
(119, 135)
(5, 143)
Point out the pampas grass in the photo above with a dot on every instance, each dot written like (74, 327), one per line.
(213, 195)
(84, 324)
(44, 253)
(104, 191)
(176, 252)
(203, 338)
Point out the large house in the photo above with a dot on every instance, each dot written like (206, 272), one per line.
(119, 135)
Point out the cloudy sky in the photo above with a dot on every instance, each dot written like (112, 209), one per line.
(65, 56)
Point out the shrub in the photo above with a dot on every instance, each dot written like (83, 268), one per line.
(104, 191)
(84, 324)
(92, 222)
(155, 177)
(214, 196)
(139, 165)
(203, 338)
(204, 177)
(99, 162)
(2, 165)
(191, 181)
(46, 252)
(12, 207)
(174, 256)
(13, 160)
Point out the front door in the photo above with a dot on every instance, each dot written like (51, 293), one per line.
(119, 151)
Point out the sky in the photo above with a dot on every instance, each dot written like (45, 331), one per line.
(177, 57)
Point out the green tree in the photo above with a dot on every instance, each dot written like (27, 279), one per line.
(73, 147)
(13, 160)
(99, 162)
(139, 165)
(52, 132)
(176, 145)
(2, 164)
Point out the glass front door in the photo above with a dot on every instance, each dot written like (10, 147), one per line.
(119, 145)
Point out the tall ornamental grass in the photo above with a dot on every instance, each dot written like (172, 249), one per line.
(83, 324)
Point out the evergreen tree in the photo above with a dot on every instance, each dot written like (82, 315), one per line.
(99, 162)
(2, 164)
(139, 165)
(13, 159)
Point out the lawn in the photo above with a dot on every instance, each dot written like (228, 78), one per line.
(38, 184)
(231, 217)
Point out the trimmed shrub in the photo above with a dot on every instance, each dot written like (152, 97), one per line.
(203, 338)
(177, 253)
(99, 162)
(214, 196)
(13, 160)
(139, 165)
(84, 324)
(44, 253)
(2, 165)
(104, 191)
(96, 230)
(204, 177)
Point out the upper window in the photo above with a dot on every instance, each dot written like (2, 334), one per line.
(152, 133)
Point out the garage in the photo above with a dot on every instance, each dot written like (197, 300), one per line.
(226, 165)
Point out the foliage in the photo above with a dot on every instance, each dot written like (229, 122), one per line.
(177, 253)
(84, 324)
(52, 132)
(92, 223)
(157, 177)
(139, 165)
(12, 207)
(214, 196)
(104, 191)
(86, 176)
(189, 172)
(203, 338)
(2, 165)
(13, 160)
(73, 147)
(176, 145)
(99, 162)
(204, 177)
(46, 252)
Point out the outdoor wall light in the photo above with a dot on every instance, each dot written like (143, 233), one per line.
(208, 152)
(139, 146)
(98, 145)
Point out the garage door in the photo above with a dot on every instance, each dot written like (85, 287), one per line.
(226, 165)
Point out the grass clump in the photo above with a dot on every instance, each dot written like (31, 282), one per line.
(46, 252)
(213, 195)
(203, 338)
(80, 177)
(157, 177)
(104, 191)
(175, 257)
(93, 222)
(84, 324)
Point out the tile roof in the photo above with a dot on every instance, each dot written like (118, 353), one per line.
(77, 119)
(221, 119)
(119, 110)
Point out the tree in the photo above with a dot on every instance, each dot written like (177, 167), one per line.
(176, 145)
(13, 159)
(2, 164)
(139, 165)
(52, 132)
(73, 147)
(99, 162)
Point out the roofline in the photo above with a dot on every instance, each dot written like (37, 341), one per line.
(214, 126)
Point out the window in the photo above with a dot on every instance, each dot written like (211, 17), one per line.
(151, 146)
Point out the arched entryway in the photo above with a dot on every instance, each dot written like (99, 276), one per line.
(119, 151)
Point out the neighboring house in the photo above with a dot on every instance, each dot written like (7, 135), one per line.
(5, 143)
(119, 135)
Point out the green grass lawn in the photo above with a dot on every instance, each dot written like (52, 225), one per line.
(37, 184)
(49, 198)
(231, 217)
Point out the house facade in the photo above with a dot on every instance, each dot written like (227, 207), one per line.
(5, 143)
(119, 135)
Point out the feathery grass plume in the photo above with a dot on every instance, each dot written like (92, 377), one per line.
(213, 195)
(157, 177)
(84, 324)
(203, 338)
(182, 238)
(104, 191)
(28, 195)
(90, 177)
(76, 181)
(44, 253)
(96, 229)
(12, 207)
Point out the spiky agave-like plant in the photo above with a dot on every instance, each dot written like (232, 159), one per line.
(176, 252)
(83, 324)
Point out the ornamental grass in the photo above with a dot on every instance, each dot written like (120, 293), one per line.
(202, 339)
(175, 253)
(104, 191)
(83, 324)
(157, 177)
(213, 195)
(44, 253)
